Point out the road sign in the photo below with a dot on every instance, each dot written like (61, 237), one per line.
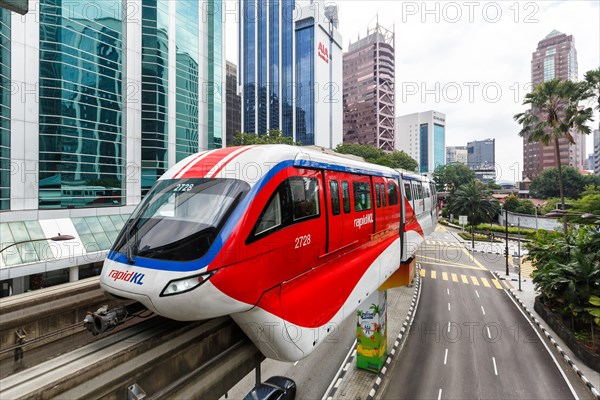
(463, 220)
(18, 6)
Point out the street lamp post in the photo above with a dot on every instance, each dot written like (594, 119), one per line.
(57, 238)
(519, 248)
(506, 230)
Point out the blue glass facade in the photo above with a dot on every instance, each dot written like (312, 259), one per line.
(424, 154)
(187, 82)
(287, 67)
(274, 65)
(215, 75)
(4, 109)
(266, 58)
(439, 145)
(305, 96)
(80, 107)
(155, 78)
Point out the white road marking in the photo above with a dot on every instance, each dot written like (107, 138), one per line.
(446, 357)
(488, 331)
(495, 369)
(440, 394)
(448, 306)
(483, 310)
(295, 363)
(477, 293)
(448, 326)
(448, 291)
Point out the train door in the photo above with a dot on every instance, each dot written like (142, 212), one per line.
(335, 212)
(379, 204)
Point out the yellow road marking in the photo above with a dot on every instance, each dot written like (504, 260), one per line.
(485, 282)
(475, 281)
(445, 276)
(474, 260)
(496, 283)
(422, 273)
(464, 279)
(507, 284)
(454, 278)
(439, 263)
(433, 274)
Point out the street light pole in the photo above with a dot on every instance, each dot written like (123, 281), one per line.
(506, 229)
(54, 239)
(519, 248)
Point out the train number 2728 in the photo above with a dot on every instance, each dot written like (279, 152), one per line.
(302, 241)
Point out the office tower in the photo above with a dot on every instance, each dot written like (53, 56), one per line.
(481, 158)
(423, 137)
(100, 103)
(319, 108)
(555, 57)
(369, 77)
(234, 105)
(456, 154)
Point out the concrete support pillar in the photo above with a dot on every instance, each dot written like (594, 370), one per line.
(74, 273)
(371, 332)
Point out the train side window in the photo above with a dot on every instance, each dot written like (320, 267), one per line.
(383, 196)
(426, 190)
(271, 216)
(407, 191)
(393, 193)
(377, 194)
(420, 189)
(362, 196)
(346, 196)
(305, 197)
(335, 197)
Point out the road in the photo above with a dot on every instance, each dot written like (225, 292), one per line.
(469, 340)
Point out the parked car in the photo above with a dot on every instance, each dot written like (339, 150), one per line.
(274, 388)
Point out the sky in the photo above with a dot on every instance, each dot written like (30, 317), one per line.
(468, 59)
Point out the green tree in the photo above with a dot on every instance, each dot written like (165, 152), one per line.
(544, 185)
(274, 136)
(493, 185)
(450, 177)
(554, 113)
(588, 204)
(396, 159)
(474, 199)
(511, 203)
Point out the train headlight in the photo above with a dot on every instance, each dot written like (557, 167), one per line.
(178, 286)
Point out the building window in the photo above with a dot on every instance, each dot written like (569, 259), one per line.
(5, 109)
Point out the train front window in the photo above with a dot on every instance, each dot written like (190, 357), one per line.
(180, 218)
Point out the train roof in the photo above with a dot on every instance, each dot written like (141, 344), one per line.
(251, 163)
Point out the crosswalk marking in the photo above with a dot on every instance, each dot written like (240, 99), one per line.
(496, 283)
(485, 282)
(474, 280)
(454, 278)
(464, 279)
(445, 276)
(422, 273)
(433, 274)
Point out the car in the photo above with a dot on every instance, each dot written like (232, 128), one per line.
(274, 388)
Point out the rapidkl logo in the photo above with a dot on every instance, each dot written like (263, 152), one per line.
(132, 277)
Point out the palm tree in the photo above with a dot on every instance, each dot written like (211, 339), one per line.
(554, 113)
(474, 199)
(592, 80)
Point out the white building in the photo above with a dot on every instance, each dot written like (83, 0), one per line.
(423, 137)
(456, 154)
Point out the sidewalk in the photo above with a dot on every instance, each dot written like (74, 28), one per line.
(353, 383)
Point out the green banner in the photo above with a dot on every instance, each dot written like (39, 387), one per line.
(371, 332)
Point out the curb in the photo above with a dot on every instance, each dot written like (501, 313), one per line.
(585, 380)
(410, 316)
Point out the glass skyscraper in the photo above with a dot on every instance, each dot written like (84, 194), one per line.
(98, 99)
(267, 65)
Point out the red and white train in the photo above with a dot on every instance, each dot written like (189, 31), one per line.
(287, 240)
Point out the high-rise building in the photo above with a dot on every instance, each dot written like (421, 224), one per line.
(597, 152)
(481, 158)
(555, 57)
(319, 108)
(283, 85)
(105, 104)
(234, 104)
(423, 137)
(267, 70)
(369, 82)
(456, 154)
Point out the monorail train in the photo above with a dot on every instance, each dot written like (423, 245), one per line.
(287, 240)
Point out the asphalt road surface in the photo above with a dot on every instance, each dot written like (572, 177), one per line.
(469, 340)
